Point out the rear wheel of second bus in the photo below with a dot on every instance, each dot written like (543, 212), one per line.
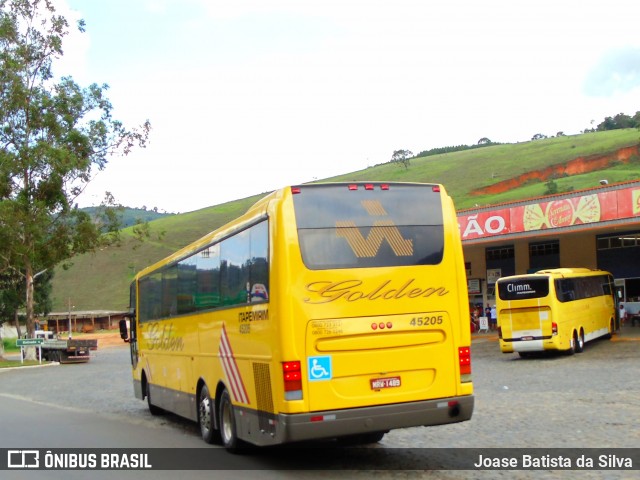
(580, 342)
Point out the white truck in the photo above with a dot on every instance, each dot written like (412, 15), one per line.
(71, 350)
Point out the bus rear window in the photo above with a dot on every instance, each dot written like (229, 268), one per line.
(357, 227)
(523, 288)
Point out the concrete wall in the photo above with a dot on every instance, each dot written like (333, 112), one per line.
(8, 331)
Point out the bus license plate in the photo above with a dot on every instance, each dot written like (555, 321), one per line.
(386, 382)
(526, 338)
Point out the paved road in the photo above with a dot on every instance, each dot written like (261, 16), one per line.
(588, 400)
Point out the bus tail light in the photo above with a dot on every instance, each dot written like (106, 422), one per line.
(554, 328)
(292, 376)
(464, 357)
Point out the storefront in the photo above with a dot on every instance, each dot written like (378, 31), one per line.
(595, 228)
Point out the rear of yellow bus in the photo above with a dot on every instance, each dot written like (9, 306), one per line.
(374, 324)
(525, 314)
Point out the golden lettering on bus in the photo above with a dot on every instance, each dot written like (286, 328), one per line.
(354, 290)
(162, 337)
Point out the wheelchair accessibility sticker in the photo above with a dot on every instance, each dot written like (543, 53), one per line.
(319, 368)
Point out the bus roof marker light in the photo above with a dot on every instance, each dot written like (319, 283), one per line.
(435, 189)
(353, 186)
(296, 190)
(384, 186)
(368, 186)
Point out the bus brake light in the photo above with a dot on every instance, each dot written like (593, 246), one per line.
(292, 376)
(554, 328)
(464, 356)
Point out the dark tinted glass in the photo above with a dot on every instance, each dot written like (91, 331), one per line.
(232, 272)
(342, 228)
(523, 288)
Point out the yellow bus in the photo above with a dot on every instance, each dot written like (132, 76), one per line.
(325, 311)
(556, 309)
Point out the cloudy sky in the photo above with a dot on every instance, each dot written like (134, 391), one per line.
(246, 96)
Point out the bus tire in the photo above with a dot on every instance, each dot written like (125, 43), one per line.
(206, 416)
(580, 342)
(227, 422)
(153, 409)
(573, 343)
(609, 334)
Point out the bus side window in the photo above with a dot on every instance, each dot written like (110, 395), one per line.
(565, 290)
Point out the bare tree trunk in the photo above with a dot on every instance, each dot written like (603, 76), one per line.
(17, 321)
(30, 353)
(29, 305)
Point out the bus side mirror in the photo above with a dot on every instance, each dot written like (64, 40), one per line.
(124, 334)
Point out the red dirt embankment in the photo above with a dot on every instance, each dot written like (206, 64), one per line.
(573, 167)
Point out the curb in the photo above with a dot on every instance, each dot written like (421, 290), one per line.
(48, 364)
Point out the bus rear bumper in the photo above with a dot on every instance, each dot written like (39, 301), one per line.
(381, 418)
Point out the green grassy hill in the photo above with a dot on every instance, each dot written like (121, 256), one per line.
(101, 280)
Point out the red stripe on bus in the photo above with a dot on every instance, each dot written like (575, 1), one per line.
(231, 369)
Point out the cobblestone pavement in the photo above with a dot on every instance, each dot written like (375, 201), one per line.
(588, 400)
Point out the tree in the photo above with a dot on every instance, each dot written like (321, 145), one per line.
(484, 141)
(55, 135)
(551, 187)
(538, 136)
(12, 295)
(402, 158)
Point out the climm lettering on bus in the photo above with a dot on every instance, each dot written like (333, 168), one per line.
(519, 288)
(352, 291)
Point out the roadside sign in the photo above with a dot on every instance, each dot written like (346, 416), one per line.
(26, 342)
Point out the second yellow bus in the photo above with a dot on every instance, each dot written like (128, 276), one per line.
(556, 309)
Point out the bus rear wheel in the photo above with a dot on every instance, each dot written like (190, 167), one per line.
(573, 344)
(206, 415)
(580, 342)
(228, 431)
(609, 334)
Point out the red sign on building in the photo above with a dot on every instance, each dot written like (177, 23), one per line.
(554, 213)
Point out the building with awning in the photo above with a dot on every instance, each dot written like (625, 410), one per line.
(597, 228)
